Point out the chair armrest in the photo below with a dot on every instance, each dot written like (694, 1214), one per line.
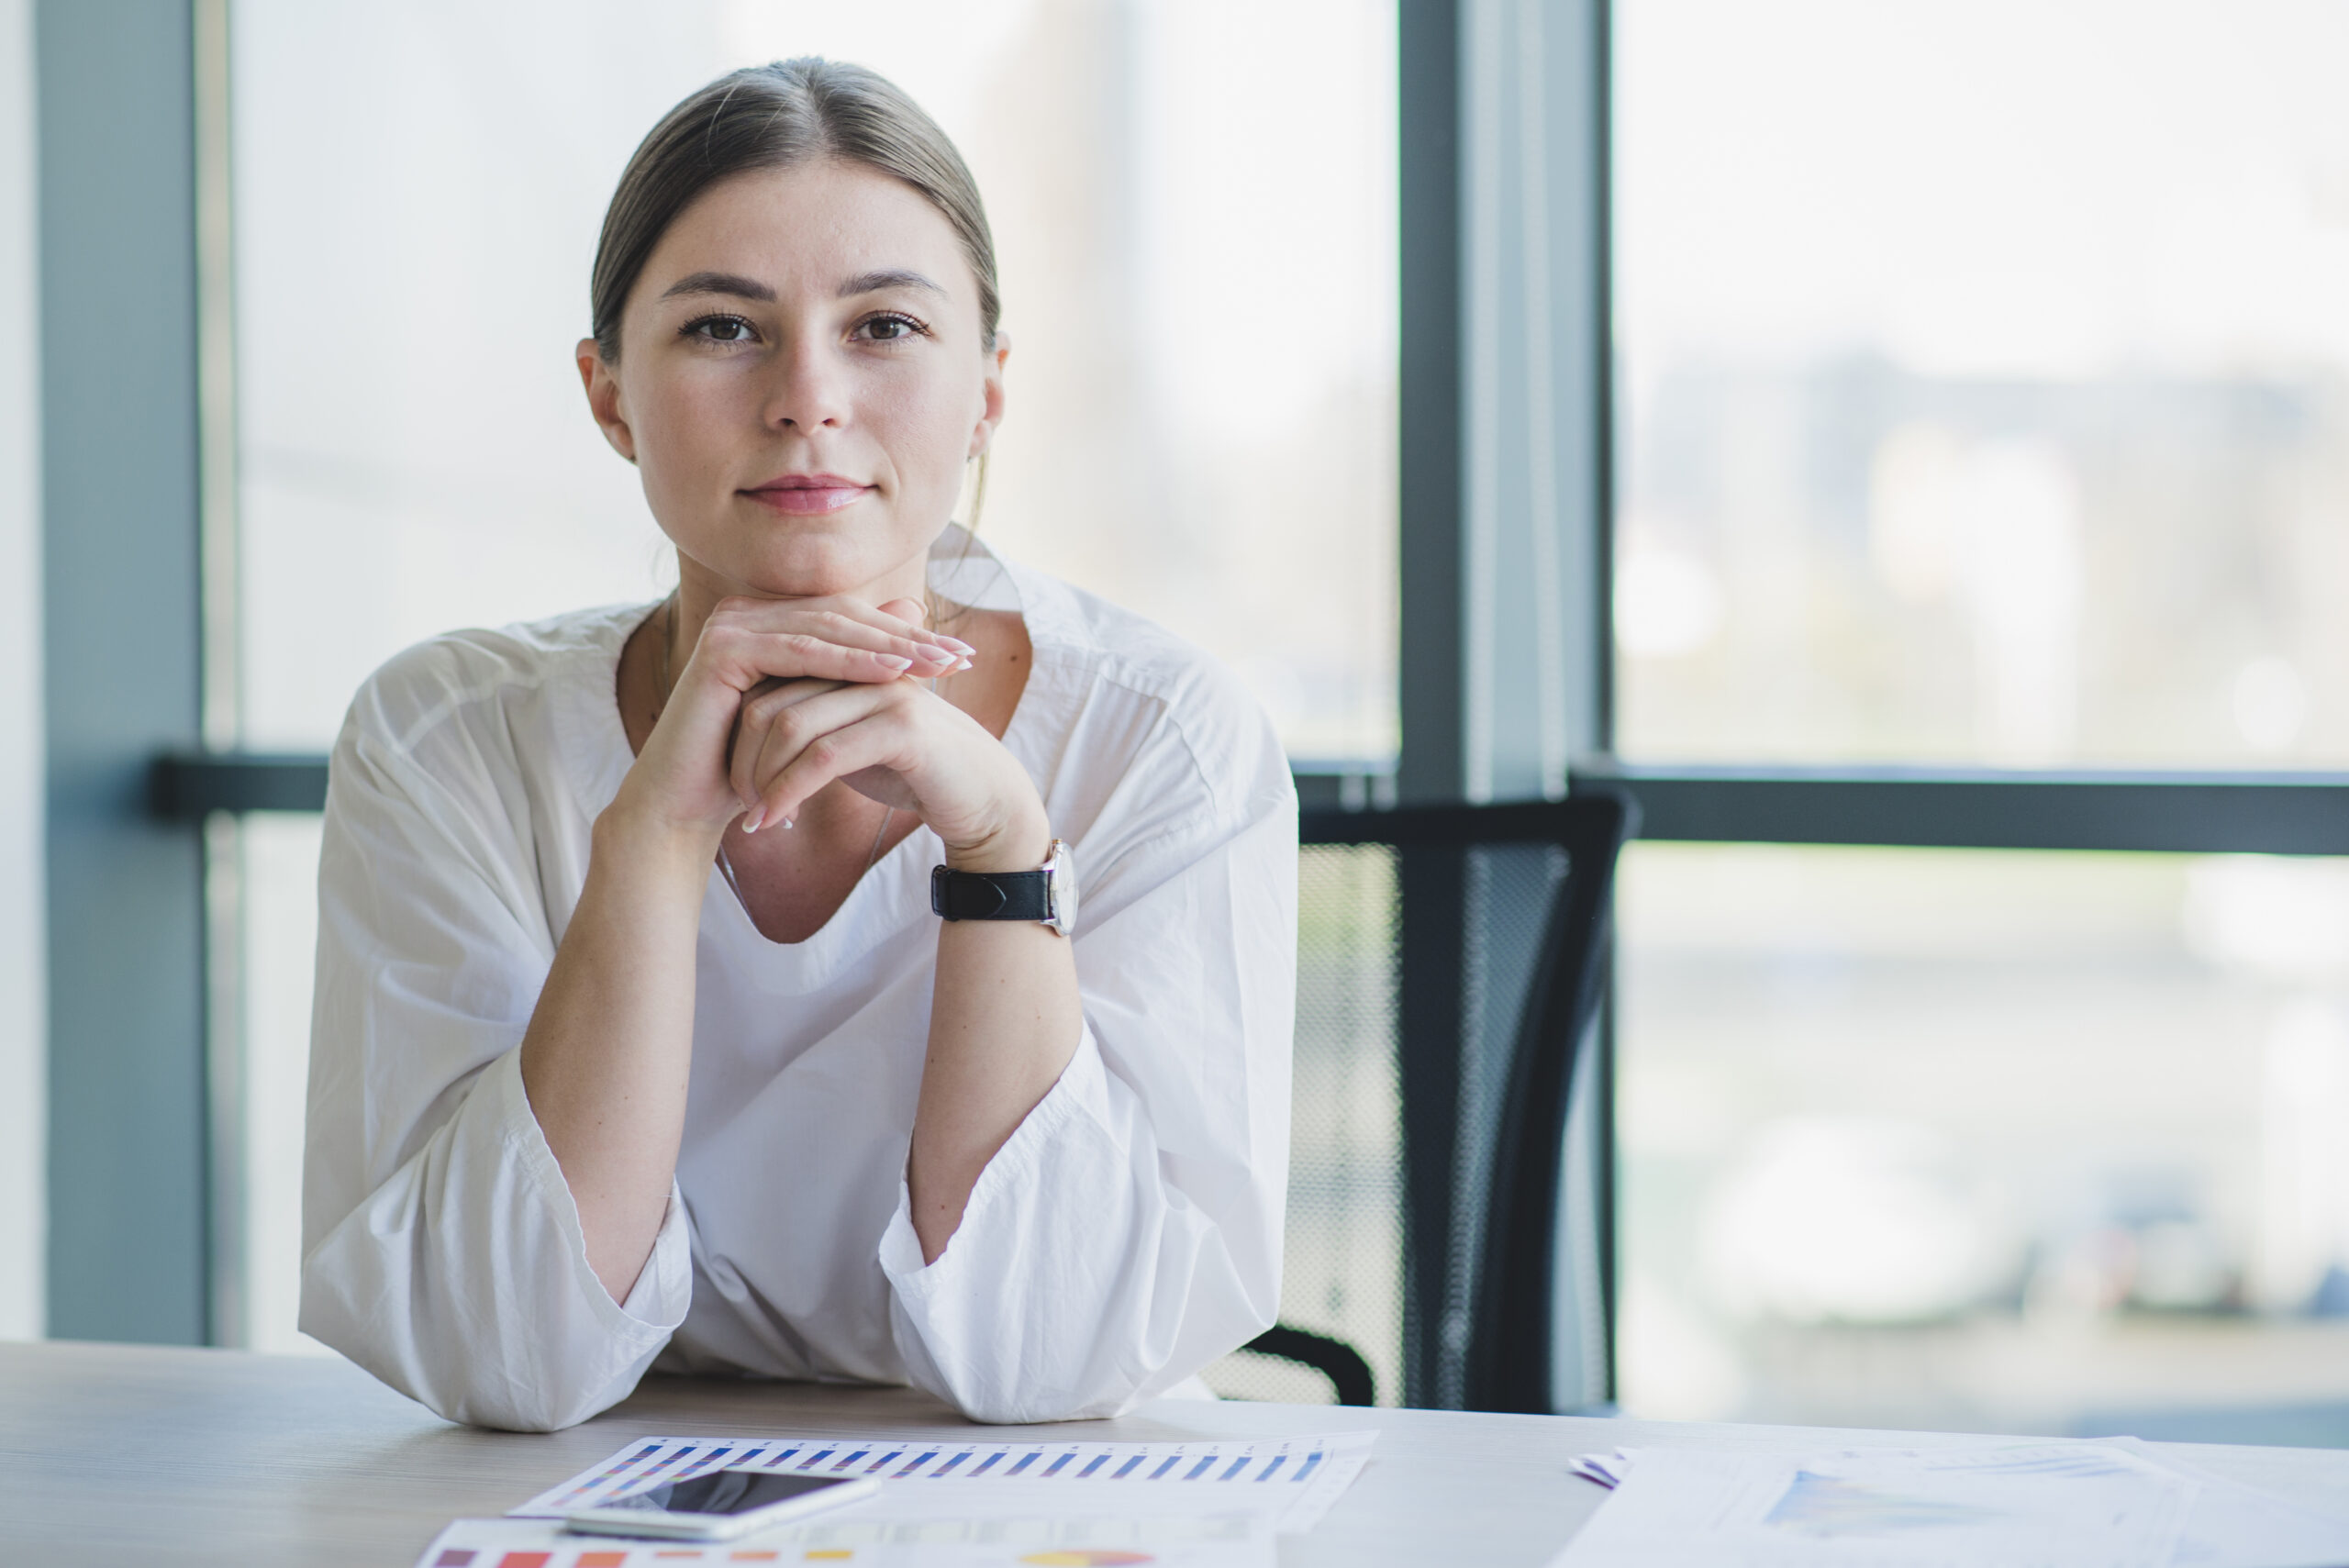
(1339, 1361)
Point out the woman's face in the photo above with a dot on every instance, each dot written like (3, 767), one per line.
(800, 380)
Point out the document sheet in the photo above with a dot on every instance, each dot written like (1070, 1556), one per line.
(2235, 1526)
(1292, 1481)
(1217, 1541)
(955, 1503)
(2117, 1504)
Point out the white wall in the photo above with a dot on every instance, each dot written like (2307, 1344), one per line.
(24, 1036)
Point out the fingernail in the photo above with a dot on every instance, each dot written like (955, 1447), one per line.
(964, 665)
(788, 823)
(752, 817)
(956, 643)
(895, 662)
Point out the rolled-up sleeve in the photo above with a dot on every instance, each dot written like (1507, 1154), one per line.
(1129, 1232)
(442, 1248)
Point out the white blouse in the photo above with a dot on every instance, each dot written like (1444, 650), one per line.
(1129, 1232)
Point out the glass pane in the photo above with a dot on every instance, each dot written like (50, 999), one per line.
(1342, 1252)
(414, 232)
(1985, 380)
(278, 853)
(417, 193)
(2000, 1143)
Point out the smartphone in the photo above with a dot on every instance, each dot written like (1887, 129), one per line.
(718, 1505)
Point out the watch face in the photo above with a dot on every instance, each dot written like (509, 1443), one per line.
(1059, 884)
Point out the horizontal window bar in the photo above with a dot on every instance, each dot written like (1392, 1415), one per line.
(188, 786)
(1321, 787)
(2279, 814)
(1460, 827)
(2285, 814)
(2185, 813)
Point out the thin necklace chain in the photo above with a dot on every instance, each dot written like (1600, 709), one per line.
(725, 861)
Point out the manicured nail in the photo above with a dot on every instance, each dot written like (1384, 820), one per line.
(788, 823)
(963, 666)
(752, 817)
(956, 643)
(895, 662)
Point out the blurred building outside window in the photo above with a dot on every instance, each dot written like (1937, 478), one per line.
(1983, 388)
(1194, 208)
(1985, 1141)
(1985, 381)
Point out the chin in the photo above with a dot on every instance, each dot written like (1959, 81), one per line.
(815, 565)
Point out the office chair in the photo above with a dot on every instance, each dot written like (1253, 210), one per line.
(1447, 1238)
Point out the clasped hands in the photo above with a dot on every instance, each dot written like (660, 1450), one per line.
(782, 697)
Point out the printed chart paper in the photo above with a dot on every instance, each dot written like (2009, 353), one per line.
(2229, 1525)
(2045, 1506)
(1224, 1540)
(1294, 1480)
(2235, 1526)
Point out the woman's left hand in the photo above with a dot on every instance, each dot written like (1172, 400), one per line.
(898, 743)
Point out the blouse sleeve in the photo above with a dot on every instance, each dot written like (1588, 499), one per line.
(1129, 1232)
(441, 1249)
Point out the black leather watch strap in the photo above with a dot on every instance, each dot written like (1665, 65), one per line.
(988, 896)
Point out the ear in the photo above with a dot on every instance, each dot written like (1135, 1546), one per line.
(991, 395)
(604, 398)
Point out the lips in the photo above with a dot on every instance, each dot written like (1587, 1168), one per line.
(804, 494)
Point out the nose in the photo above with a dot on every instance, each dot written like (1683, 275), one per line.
(809, 391)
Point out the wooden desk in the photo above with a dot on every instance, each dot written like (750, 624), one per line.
(261, 1460)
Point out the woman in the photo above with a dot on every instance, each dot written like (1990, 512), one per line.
(640, 1038)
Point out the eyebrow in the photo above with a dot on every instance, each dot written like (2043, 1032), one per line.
(886, 278)
(740, 287)
(719, 282)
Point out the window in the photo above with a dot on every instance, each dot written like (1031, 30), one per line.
(1978, 1141)
(1194, 208)
(1983, 403)
(1985, 383)
(1197, 424)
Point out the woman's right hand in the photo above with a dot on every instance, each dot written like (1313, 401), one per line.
(680, 783)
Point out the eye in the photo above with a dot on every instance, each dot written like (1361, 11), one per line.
(718, 329)
(889, 327)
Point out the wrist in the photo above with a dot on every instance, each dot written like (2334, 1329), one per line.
(1021, 844)
(646, 843)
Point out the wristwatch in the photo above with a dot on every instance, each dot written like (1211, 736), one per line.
(1047, 896)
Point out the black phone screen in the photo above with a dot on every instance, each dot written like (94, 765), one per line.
(723, 1491)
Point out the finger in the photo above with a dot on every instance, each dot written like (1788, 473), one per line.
(771, 738)
(777, 693)
(842, 622)
(914, 610)
(873, 741)
(925, 656)
(907, 617)
(742, 657)
(915, 613)
(851, 622)
(862, 626)
(761, 707)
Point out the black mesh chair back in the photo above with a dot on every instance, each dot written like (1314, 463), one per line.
(1448, 1218)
